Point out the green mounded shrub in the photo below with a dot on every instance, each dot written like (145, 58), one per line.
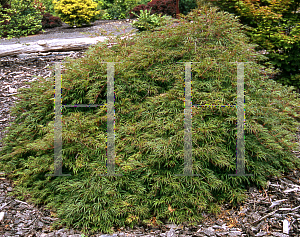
(49, 6)
(5, 13)
(146, 21)
(185, 6)
(149, 128)
(76, 12)
(116, 9)
(21, 18)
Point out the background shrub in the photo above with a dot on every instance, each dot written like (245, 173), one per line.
(149, 128)
(4, 2)
(137, 10)
(166, 7)
(146, 21)
(5, 13)
(21, 19)
(39, 6)
(49, 6)
(50, 21)
(274, 26)
(117, 9)
(76, 12)
(185, 6)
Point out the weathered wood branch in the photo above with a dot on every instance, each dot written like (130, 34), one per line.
(50, 46)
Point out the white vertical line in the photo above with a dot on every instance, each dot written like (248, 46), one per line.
(188, 165)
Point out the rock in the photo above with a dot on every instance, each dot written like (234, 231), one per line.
(279, 234)
(114, 235)
(171, 233)
(235, 233)
(286, 226)
(222, 233)
(172, 226)
(262, 233)
(9, 189)
(43, 235)
(209, 231)
(2, 214)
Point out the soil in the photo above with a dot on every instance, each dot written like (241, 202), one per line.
(67, 32)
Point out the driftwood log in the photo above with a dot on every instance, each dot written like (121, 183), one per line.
(50, 46)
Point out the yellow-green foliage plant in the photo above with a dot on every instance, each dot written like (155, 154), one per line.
(275, 26)
(149, 128)
(76, 12)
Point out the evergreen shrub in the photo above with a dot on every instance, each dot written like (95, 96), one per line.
(39, 5)
(5, 13)
(76, 12)
(137, 10)
(116, 9)
(49, 6)
(20, 18)
(274, 26)
(146, 21)
(185, 6)
(149, 128)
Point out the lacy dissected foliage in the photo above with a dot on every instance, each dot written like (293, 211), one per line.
(274, 26)
(149, 128)
(20, 18)
(76, 12)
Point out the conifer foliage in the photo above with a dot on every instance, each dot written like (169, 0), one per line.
(149, 128)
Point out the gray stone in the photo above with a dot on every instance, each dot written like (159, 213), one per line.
(209, 231)
(222, 233)
(9, 189)
(171, 233)
(262, 233)
(114, 235)
(279, 234)
(235, 233)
